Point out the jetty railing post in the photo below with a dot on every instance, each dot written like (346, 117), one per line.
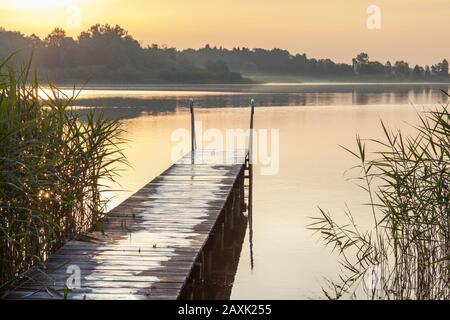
(193, 138)
(250, 143)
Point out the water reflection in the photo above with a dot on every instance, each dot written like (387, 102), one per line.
(219, 284)
(289, 261)
(250, 215)
(132, 104)
(126, 107)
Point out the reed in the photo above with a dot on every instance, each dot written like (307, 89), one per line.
(54, 167)
(407, 253)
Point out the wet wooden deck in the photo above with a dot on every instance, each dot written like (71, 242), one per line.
(153, 242)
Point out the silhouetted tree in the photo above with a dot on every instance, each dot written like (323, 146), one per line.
(401, 69)
(443, 70)
(362, 58)
(427, 72)
(418, 72)
(56, 39)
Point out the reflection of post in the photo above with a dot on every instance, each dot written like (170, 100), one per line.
(250, 187)
(250, 211)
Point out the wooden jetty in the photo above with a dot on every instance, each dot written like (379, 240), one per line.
(157, 244)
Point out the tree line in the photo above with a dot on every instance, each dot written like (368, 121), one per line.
(107, 53)
(282, 62)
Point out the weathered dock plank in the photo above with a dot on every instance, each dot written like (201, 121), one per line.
(152, 243)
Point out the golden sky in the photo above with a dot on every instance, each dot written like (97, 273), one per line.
(413, 30)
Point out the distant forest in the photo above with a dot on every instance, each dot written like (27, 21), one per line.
(107, 53)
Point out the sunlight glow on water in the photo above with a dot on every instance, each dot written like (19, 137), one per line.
(289, 261)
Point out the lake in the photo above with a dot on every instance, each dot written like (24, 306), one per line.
(287, 261)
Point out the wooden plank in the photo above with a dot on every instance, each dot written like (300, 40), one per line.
(99, 282)
(33, 295)
(107, 275)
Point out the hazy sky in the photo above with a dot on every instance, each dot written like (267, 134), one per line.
(414, 30)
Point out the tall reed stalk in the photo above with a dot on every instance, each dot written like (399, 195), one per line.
(407, 253)
(52, 166)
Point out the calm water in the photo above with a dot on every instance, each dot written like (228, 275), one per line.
(288, 260)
